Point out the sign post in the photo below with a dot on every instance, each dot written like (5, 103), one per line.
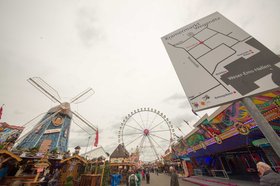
(263, 125)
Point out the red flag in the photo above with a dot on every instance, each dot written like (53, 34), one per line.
(96, 139)
(1, 111)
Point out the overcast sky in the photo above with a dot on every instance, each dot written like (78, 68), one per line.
(113, 47)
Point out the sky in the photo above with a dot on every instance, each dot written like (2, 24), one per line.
(113, 47)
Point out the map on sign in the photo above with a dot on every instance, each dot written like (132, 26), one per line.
(217, 62)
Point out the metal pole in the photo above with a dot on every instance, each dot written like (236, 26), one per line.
(102, 175)
(222, 164)
(96, 164)
(263, 125)
(87, 144)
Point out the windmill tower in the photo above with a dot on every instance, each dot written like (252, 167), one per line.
(52, 131)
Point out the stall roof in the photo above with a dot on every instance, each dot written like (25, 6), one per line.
(10, 154)
(120, 152)
(121, 164)
(74, 157)
(96, 153)
(204, 117)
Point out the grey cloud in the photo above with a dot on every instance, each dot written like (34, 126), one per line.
(175, 96)
(18, 112)
(111, 147)
(87, 26)
(112, 137)
(179, 120)
(184, 105)
(115, 126)
(78, 139)
(83, 129)
(100, 130)
(246, 22)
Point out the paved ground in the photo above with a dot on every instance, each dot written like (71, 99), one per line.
(164, 180)
(210, 181)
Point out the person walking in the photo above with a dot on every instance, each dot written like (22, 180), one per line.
(143, 174)
(268, 176)
(132, 179)
(147, 176)
(126, 175)
(54, 181)
(174, 177)
(139, 177)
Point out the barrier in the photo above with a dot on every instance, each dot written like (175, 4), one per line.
(90, 179)
(197, 172)
(224, 173)
(276, 168)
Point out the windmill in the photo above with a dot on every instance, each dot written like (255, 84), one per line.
(52, 131)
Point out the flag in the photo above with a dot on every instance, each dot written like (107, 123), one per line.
(187, 122)
(1, 111)
(96, 139)
(195, 113)
(179, 129)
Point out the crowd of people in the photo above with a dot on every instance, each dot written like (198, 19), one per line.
(137, 176)
(268, 177)
(51, 179)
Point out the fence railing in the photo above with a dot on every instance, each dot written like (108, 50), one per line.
(276, 168)
(197, 172)
(219, 173)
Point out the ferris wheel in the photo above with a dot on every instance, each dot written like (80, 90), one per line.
(148, 131)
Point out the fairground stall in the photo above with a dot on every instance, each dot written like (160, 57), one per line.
(120, 163)
(228, 143)
(72, 167)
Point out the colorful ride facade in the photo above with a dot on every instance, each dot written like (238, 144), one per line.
(228, 143)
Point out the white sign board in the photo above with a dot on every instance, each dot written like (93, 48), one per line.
(50, 131)
(217, 62)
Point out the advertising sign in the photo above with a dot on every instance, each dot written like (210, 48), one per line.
(218, 62)
(50, 131)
